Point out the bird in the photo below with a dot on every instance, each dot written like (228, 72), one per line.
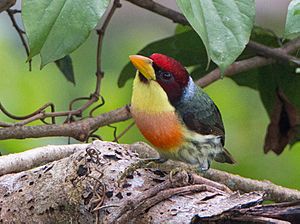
(175, 115)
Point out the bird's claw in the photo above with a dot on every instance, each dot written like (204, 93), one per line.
(141, 163)
(182, 171)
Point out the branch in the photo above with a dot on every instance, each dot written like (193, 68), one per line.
(18, 162)
(234, 68)
(235, 182)
(84, 186)
(38, 156)
(78, 129)
(90, 176)
(280, 54)
(254, 62)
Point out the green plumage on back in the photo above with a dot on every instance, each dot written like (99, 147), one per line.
(200, 114)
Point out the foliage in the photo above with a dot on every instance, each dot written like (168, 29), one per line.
(66, 67)
(220, 30)
(223, 25)
(56, 28)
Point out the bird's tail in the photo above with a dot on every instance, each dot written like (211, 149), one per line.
(224, 157)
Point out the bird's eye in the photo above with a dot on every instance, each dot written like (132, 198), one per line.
(166, 75)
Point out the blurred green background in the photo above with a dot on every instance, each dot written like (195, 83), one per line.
(245, 119)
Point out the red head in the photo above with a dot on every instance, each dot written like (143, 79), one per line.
(171, 75)
(168, 72)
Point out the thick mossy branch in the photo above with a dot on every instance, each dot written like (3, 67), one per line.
(86, 187)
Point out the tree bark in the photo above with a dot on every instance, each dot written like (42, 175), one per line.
(101, 183)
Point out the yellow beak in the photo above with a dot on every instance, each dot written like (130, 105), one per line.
(143, 65)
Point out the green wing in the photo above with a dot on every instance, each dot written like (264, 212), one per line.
(200, 114)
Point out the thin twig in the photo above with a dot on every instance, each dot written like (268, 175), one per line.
(38, 111)
(20, 33)
(117, 138)
(78, 130)
(38, 114)
(77, 99)
(115, 130)
(248, 64)
(15, 11)
(277, 53)
(94, 97)
(96, 107)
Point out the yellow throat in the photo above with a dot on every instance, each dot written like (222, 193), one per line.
(155, 116)
(149, 97)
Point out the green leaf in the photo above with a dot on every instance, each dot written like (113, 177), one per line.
(185, 47)
(55, 28)
(250, 78)
(283, 109)
(278, 87)
(292, 25)
(297, 12)
(66, 67)
(182, 28)
(223, 25)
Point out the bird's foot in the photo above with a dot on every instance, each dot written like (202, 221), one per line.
(185, 171)
(203, 166)
(141, 163)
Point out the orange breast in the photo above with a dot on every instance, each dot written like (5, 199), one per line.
(162, 129)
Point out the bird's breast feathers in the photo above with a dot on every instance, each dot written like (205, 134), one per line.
(155, 116)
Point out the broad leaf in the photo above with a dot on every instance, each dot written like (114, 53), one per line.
(223, 25)
(292, 25)
(65, 65)
(279, 90)
(55, 28)
(278, 86)
(249, 78)
(185, 47)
